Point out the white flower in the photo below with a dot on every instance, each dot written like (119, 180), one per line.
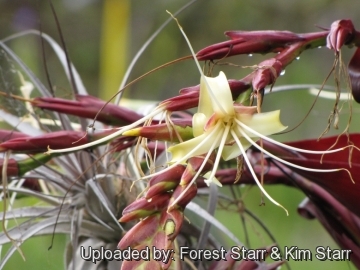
(231, 129)
(220, 124)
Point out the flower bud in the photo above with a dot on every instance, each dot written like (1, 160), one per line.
(266, 73)
(164, 182)
(144, 207)
(185, 197)
(161, 132)
(172, 223)
(189, 96)
(6, 135)
(140, 232)
(247, 42)
(341, 33)
(88, 107)
(56, 140)
(193, 165)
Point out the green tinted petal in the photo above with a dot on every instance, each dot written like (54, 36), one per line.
(265, 123)
(233, 151)
(204, 142)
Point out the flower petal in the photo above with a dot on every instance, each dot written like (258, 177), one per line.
(212, 180)
(198, 122)
(265, 123)
(202, 144)
(233, 151)
(220, 94)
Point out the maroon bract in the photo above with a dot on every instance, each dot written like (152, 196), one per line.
(89, 107)
(341, 32)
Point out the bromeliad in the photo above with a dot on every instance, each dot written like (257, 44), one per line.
(222, 125)
(231, 128)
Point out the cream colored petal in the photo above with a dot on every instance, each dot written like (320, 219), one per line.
(233, 151)
(203, 143)
(198, 122)
(204, 106)
(265, 123)
(212, 180)
(220, 95)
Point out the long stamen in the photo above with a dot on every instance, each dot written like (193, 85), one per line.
(199, 170)
(218, 156)
(109, 137)
(198, 65)
(289, 163)
(288, 146)
(253, 173)
(187, 156)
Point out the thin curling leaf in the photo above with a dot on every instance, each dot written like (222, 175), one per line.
(61, 56)
(20, 125)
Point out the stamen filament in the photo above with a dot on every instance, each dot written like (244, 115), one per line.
(187, 156)
(109, 137)
(253, 173)
(288, 146)
(198, 65)
(218, 156)
(281, 160)
(198, 172)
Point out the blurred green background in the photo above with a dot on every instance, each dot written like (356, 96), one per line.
(103, 36)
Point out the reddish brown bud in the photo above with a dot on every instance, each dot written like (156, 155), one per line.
(243, 42)
(189, 96)
(266, 73)
(6, 135)
(341, 32)
(185, 198)
(172, 223)
(164, 182)
(140, 232)
(88, 107)
(145, 207)
(194, 165)
(56, 140)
